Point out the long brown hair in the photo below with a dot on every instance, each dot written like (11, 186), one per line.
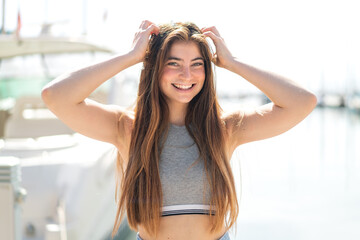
(140, 190)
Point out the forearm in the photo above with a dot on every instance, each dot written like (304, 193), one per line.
(281, 91)
(74, 87)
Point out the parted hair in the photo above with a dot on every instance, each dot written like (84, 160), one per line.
(138, 191)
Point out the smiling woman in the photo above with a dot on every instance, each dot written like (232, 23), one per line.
(177, 100)
(175, 178)
(183, 76)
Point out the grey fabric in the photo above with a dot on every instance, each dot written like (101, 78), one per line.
(226, 236)
(182, 181)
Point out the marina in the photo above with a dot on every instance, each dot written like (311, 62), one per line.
(301, 185)
(54, 184)
(304, 183)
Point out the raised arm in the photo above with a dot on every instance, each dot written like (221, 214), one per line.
(66, 96)
(290, 104)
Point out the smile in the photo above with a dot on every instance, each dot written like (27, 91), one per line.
(183, 86)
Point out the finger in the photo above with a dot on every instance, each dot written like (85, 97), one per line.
(213, 37)
(211, 29)
(145, 24)
(142, 25)
(153, 29)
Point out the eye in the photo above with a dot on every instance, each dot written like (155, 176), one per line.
(172, 64)
(198, 64)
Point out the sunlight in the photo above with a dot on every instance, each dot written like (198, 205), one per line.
(300, 39)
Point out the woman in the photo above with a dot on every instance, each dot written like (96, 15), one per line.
(175, 147)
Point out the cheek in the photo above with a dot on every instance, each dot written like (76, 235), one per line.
(170, 72)
(165, 78)
(200, 73)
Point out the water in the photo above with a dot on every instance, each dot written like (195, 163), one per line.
(303, 184)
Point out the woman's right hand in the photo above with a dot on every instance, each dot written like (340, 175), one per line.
(142, 38)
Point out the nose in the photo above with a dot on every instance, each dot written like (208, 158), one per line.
(186, 73)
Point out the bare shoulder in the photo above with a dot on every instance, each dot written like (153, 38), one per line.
(103, 122)
(262, 122)
(233, 121)
(248, 125)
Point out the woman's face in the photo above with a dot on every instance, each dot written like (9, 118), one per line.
(184, 73)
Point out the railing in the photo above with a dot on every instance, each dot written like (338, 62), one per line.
(11, 195)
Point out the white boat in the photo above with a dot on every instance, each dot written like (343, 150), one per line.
(66, 187)
(45, 44)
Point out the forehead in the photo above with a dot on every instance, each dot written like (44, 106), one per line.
(185, 50)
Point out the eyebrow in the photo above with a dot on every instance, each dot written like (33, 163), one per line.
(179, 59)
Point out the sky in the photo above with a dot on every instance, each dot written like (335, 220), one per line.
(316, 42)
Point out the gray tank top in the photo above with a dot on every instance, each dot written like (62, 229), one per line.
(184, 184)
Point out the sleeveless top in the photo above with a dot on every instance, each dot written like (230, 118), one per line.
(183, 179)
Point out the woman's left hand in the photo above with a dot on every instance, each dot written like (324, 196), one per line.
(222, 57)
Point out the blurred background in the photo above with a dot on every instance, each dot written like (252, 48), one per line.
(304, 184)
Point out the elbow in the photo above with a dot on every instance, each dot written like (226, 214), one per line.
(310, 102)
(46, 95)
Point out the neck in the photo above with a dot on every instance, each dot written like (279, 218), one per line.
(177, 113)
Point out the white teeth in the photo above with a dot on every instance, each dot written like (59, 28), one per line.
(183, 86)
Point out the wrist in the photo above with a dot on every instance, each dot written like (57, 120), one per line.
(230, 64)
(130, 59)
(135, 56)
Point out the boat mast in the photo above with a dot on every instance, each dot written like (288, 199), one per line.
(84, 12)
(3, 17)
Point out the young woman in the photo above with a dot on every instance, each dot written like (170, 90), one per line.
(175, 147)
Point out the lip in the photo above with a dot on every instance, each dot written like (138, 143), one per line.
(183, 90)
